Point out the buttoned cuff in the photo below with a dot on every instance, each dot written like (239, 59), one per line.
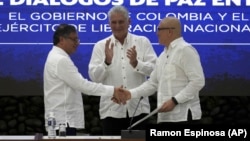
(139, 66)
(180, 99)
(134, 94)
(110, 90)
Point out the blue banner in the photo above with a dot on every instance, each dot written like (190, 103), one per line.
(218, 29)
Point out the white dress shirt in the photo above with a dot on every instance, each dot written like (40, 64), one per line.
(178, 74)
(120, 72)
(63, 85)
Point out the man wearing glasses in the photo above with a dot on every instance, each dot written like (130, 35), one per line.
(178, 77)
(63, 84)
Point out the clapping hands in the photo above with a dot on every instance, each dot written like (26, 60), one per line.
(121, 95)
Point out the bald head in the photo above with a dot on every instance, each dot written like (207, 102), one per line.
(172, 22)
(169, 29)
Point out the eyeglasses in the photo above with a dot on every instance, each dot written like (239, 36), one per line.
(164, 28)
(76, 40)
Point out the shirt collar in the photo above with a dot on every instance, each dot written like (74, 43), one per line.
(174, 43)
(60, 51)
(125, 40)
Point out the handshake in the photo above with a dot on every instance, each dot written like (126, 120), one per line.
(121, 95)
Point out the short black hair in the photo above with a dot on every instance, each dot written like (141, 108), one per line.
(62, 30)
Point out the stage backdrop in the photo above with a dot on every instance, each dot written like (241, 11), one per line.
(218, 29)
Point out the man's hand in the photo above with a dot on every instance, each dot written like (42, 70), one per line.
(132, 55)
(121, 95)
(109, 52)
(167, 106)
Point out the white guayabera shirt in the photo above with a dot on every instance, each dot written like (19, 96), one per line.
(178, 74)
(63, 85)
(120, 72)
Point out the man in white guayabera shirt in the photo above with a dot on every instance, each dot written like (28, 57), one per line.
(123, 59)
(178, 77)
(63, 84)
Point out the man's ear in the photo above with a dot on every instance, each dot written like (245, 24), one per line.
(129, 20)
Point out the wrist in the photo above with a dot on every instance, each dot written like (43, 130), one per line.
(174, 100)
(134, 64)
(107, 63)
